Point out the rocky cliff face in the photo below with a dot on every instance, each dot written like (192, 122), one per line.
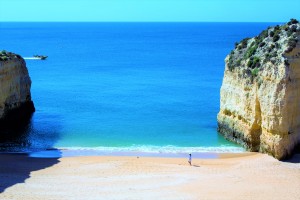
(260, 93)
(15, 83)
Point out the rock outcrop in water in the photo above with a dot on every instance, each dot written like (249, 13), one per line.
(15, 98)
(260, 93)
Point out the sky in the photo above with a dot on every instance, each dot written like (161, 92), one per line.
(150, 10)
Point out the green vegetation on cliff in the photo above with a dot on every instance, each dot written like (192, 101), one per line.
(268, 46)
(5, 55)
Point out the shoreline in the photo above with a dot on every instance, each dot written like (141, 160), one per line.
(144, 150)
(61, 153)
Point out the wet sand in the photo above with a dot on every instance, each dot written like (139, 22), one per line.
(230, 176)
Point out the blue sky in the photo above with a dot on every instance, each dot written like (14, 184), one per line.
(150, 10)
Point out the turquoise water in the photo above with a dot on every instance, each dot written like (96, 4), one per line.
(125, 86)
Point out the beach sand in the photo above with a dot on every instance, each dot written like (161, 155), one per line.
(231, 176)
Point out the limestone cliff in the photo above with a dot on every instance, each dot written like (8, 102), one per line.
(15, 83)
(260, 93)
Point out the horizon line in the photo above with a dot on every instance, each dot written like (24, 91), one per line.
(140, 22)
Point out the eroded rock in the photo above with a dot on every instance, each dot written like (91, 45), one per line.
(260, 93)
(15, 97)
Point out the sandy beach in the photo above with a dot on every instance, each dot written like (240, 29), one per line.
(231, 176)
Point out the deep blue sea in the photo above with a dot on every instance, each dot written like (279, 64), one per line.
(151, 87)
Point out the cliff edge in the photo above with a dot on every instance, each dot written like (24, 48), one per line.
(260, 93)
(15, 97)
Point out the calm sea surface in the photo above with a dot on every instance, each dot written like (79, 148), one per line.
(150, 87)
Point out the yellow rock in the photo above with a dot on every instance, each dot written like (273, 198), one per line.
(260, 104)
(15, 86)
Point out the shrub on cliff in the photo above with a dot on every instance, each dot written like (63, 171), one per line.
(3, 58)
(251, 51)
(293, 21)
(262, 44)
(292, 42)
(253, 62)
(243, 44)
(254, 72)
(293, 28)
(276, 38)
(231, 61)
(259, 39)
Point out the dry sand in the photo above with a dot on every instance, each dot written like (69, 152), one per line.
(245, 176)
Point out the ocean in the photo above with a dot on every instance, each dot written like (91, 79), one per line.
(147, 87)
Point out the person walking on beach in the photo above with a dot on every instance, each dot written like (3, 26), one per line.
(190, 159)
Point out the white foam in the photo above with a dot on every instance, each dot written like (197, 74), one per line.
(31, 58)
(161, 149)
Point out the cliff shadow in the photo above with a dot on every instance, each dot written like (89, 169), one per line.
(14, 135)
(16, 168)
(295, 158)
(19, 137)
(30, 134)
